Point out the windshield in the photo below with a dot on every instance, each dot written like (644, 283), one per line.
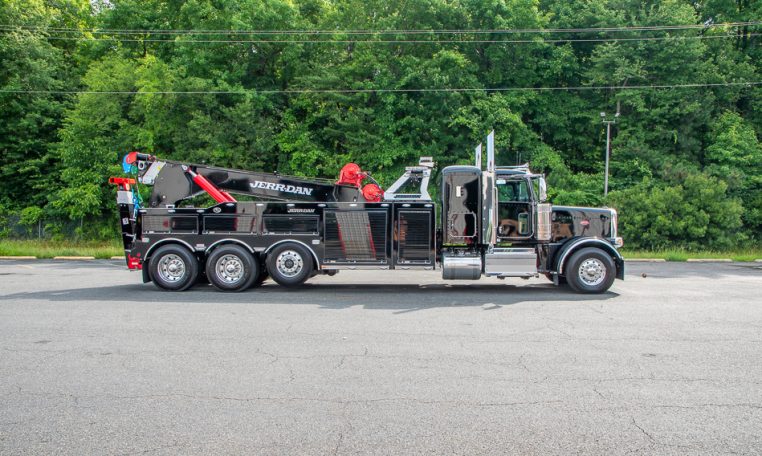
(513, 190)
(540, 189)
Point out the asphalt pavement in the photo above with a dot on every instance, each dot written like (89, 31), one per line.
(669, 361)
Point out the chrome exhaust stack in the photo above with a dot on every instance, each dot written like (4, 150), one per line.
(489, 221)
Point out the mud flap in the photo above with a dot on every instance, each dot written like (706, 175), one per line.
(146, 276)
(619, 268)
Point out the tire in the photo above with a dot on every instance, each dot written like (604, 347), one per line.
(590, 270)
(231, 268)
(290, 264)
(173, 268)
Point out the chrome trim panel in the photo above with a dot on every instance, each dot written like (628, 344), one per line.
(512, 262)
(543, 222)
(614, 223)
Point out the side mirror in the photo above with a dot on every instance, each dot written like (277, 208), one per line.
(543, 190)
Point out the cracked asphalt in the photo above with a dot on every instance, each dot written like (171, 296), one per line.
(94, 362)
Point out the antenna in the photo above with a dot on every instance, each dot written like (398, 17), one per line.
(479, 156)
(491, 151)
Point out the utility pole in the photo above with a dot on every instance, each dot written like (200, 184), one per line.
(608, 150)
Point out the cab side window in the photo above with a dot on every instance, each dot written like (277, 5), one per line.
(513, 211)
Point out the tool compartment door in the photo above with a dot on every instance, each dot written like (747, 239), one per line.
(414, 236)
(356, 236)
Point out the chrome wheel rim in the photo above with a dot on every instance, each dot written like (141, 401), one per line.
(592, 272)
(171, 268)
(229, 268)
(289, 263)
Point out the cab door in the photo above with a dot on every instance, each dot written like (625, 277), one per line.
(514, 208)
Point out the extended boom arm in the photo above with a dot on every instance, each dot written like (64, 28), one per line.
(174, 182)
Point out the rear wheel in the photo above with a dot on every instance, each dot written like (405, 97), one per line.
(590, 270)
(290, 264)
(173, 268)
(231, 268)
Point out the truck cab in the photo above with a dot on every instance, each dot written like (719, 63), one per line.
(497, 222)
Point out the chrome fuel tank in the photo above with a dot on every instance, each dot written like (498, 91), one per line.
(461, 267)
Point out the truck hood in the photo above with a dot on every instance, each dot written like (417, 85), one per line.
(570, 221)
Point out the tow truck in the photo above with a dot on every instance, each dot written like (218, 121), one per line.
(495, 222)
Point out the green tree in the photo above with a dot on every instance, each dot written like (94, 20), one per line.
(696, 214)
(735, 157)
(280, 112)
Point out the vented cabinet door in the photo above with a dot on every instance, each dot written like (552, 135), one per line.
(356, 236)
(414, 238)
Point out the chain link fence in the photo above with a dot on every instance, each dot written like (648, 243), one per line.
(13, 226)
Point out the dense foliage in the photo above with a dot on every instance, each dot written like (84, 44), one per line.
(686, 165)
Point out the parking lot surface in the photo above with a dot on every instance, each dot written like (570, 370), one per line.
(396, 362)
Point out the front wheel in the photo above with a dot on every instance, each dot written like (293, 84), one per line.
(590, 270)
(290, 264)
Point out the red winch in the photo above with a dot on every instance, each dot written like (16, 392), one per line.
(352, 174)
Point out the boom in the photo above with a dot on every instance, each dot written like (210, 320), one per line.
(174, 182)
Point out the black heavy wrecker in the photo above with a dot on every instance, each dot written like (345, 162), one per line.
(495, 222)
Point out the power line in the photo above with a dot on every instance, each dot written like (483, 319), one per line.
(379, 32)
(536, 41)
(318, 91)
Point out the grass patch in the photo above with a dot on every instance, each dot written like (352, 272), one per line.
(683, 255)
(50, 249)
